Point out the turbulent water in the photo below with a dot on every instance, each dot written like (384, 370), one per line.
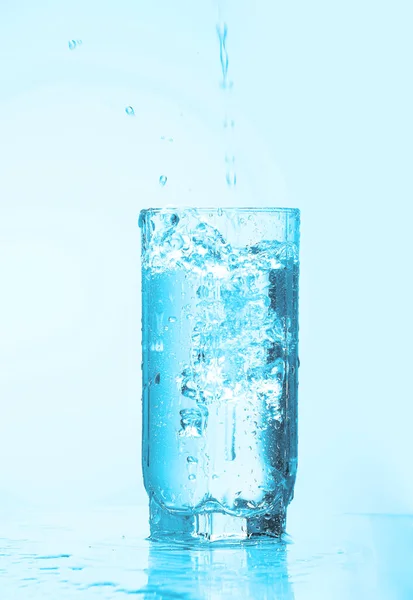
(219, 366)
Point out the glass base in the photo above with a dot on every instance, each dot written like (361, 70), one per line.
(213, 526)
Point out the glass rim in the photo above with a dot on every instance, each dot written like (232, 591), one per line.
(215, 209)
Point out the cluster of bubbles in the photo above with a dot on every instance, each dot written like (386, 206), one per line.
(238, 342)
(187, 243)
(237, 351)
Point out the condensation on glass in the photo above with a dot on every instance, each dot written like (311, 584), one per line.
(220, 370)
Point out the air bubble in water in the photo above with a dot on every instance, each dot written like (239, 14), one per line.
(162, 180)
(192, 459)
(191, 477)
(129, 111)
(202, 291)
(193, 422)
(176, 242)
(172, 319)
(157, 378)
(174, 220)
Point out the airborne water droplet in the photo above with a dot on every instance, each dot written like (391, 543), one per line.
(129, 111)
(162, 180)
(231, 178)
(72, 44)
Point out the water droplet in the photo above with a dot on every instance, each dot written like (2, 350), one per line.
(157, 378)
(191, 477)
(215, 476)
(231, 178)
(129, 111)
(219, 212)
(172, 319)
(72, 44)
(157, 346)
(166, 328)
(162, 180)
(192, 459)
(79, 42)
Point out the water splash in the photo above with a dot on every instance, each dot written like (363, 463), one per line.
(222, 31)
(229, 123)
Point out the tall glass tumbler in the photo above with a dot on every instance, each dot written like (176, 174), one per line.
(220, 370)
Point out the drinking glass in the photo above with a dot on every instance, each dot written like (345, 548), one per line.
(220, 370)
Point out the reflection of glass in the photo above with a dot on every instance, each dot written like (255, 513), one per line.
(220, 334)
(248, 571)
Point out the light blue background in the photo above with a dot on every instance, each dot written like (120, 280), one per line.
(322, 104)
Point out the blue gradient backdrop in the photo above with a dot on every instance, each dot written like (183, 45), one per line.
(322, 105)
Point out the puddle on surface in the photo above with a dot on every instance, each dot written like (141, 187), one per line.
(106, 555)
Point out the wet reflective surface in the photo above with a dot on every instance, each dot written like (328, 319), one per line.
(104, 554)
